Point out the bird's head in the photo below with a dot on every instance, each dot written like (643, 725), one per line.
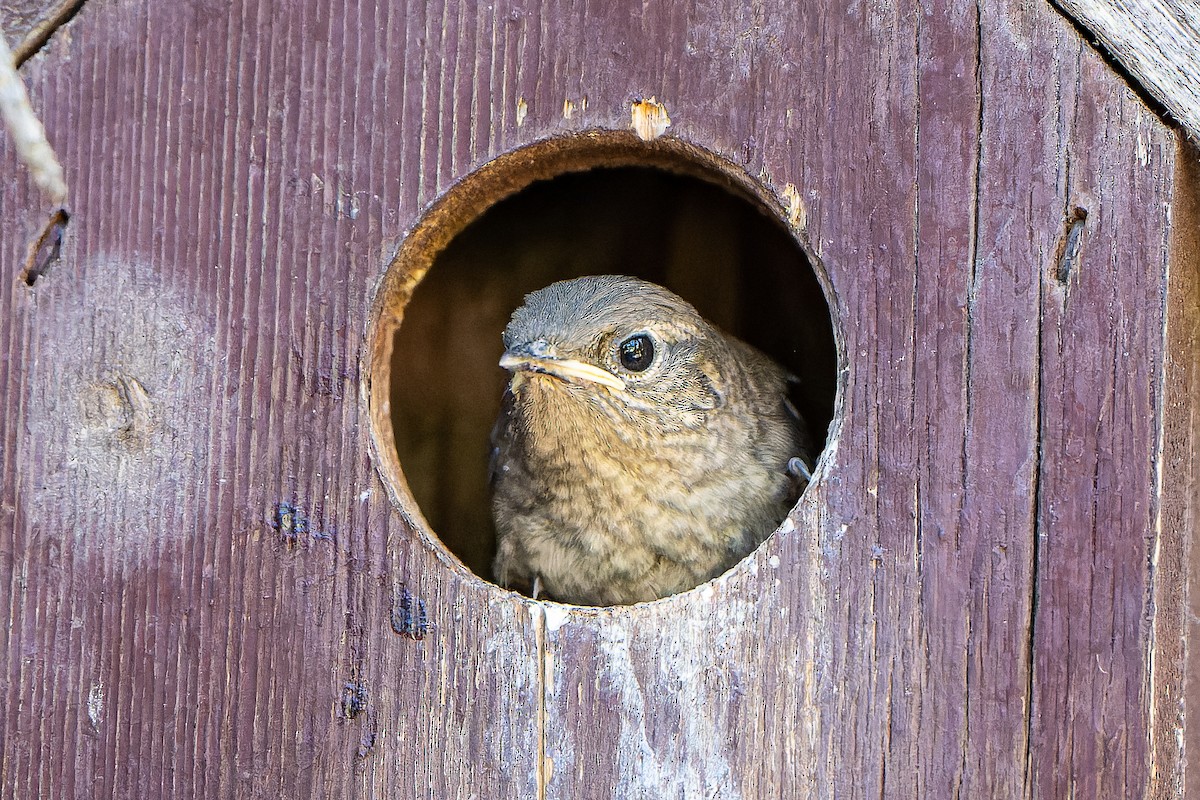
(623, 344)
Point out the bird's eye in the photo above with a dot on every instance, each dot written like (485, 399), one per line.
(637, 352)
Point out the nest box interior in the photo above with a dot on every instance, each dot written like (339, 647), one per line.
(699, 230)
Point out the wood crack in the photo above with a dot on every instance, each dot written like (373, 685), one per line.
(45, 250)
(540, 633)
(38, 36)
(1035, 557)
(1147, 44)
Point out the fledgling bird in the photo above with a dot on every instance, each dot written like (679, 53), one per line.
(639, 451)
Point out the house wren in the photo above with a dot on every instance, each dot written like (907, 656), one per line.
(640, 451)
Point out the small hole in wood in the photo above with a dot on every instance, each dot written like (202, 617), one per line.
(1070, 246)
(46, 250)
(588, 205)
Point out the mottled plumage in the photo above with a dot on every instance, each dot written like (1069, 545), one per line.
(640, 451)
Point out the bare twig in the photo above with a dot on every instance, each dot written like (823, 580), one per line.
(27, 132)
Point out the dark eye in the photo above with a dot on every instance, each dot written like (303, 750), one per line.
(637, 353)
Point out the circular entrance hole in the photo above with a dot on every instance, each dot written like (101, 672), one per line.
(660, 212)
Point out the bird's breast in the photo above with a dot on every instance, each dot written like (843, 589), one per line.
(602, 478)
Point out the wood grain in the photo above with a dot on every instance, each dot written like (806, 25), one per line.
(1156, 41)
(1100, 393)
(1176, 559)
(209, 591)
(27, 24)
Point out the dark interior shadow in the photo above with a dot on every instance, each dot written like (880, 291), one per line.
(730, 258)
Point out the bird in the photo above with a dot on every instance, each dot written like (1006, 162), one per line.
(639, 451)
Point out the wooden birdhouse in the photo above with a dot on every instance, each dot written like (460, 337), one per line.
(248, 368)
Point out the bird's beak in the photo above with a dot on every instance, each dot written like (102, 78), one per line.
(539, 357)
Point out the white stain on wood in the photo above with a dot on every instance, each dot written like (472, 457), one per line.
(556, 616)
(695, 765)
(120, 375)
(95, 705)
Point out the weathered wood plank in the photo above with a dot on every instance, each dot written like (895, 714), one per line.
(27, 24)
(974, 417)
(208, 591)
(1175, 664)
(203, 562)
(1157, 41)
(1100, 415)
(973, 547)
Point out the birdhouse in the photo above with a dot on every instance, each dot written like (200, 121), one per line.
(249, 370)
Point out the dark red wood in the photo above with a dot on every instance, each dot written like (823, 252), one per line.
(1101, 395)
(1175, 681)
(210, 592)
